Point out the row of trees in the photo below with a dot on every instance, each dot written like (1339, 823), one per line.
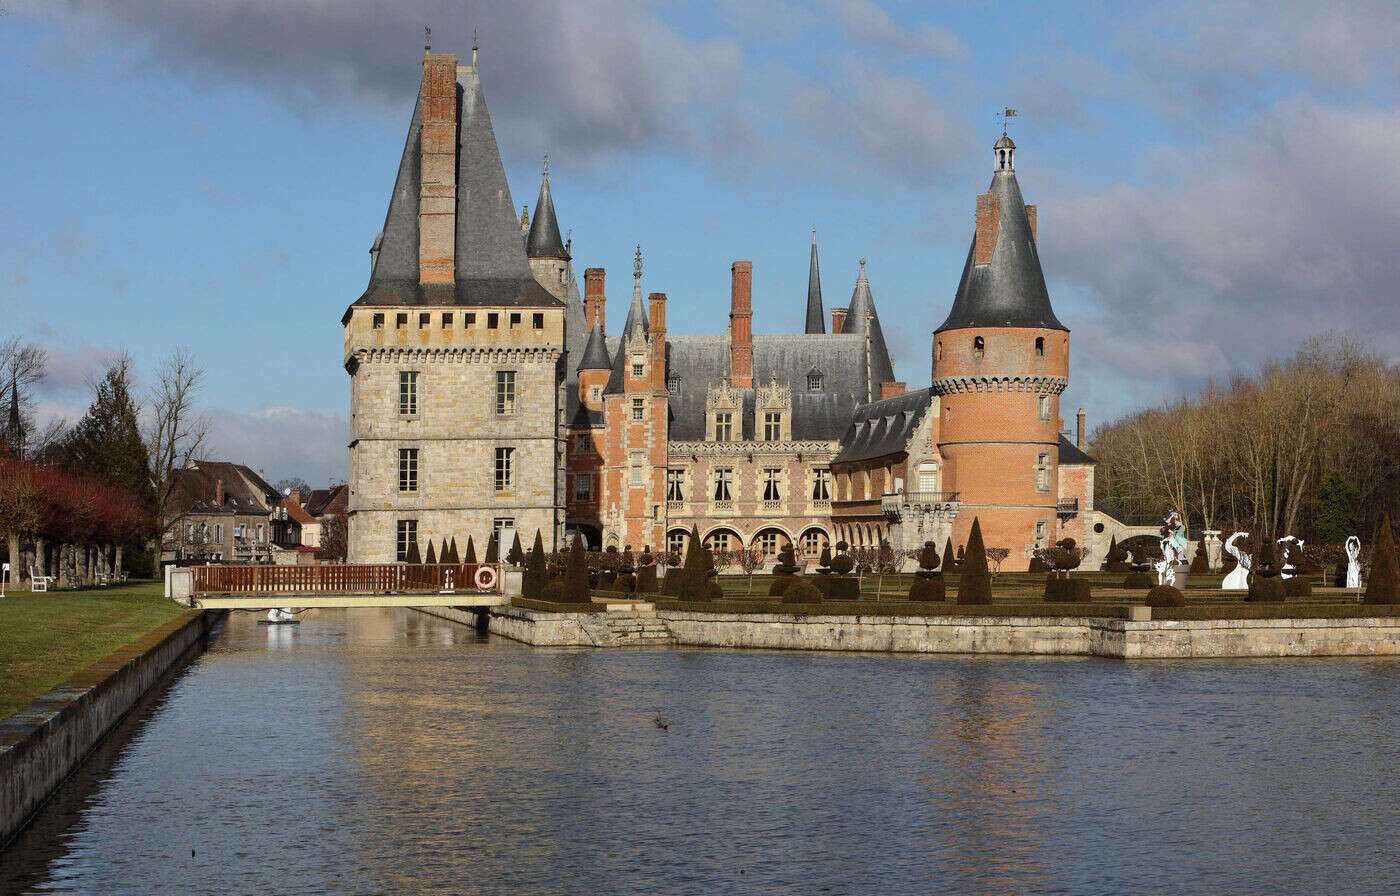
(1308, 446)
(74, 499)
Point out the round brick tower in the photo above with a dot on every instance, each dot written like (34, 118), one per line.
(1000, 362)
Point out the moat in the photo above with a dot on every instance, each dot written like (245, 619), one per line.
(387, 751)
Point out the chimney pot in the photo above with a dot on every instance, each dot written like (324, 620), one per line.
(741, 325)
(838, 318)
(594, 302)
(1079, 435)
(988, 219)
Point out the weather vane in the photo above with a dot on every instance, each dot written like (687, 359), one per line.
(1007, 114)
(427, 39)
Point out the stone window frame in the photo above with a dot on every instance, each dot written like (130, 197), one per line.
(767, 543)
(675, 484)
(425, 320)
(408, 393)
(773, 426)
(814, 382)
(408, 471)
(1042, 473)
(723, 481)
(505, 393)
(447, 320)
(636, 469)
(377, 321)
(931, 469)
(401, 320)
(772, 484)
(1043, 408)
(583, 443)
(405, 534)
(583, 486)
(723, 429)
(500, 526)
(537, 320)
(639, 409)
(675, 541)
(515, 319)
(812, 546)
(822, 483)
(639, 366)
(503, 469)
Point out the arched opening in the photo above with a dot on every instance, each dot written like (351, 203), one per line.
(1040, 346)
(677, 540)
(978, 347)
(769, 541)
(938, 350)
(723, 540)
(812, 542)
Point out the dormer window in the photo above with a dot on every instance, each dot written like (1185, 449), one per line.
(673, 385)
(978, 347)
(814, 381)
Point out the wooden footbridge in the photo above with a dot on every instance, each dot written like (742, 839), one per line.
(247, 587)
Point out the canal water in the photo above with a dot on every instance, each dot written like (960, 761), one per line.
(390, 752)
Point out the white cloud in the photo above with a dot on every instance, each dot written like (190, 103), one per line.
(282, 441)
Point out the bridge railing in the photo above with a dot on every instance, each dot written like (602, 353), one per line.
(343, 578)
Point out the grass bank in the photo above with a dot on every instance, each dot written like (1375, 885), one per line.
(46, 637)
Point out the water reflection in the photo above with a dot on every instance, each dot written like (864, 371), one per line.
(392, 752)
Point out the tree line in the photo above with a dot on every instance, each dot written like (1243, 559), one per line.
(1308, 446)
(74, 499)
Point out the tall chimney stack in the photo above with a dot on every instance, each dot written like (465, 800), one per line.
(658, 340)
(988, 219)
(437, 191)
(1079, 436)
(594, 302)
(219, 492)
(838, 317)
(741, 325)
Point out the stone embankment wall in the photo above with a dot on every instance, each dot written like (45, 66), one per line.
(1021, 635)
(41, 745)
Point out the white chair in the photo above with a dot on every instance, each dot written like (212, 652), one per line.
(38, 582)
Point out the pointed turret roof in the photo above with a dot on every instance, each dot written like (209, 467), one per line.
(491, 266)
(863, 307)
(595, 353)
(1010, 290)
(815, 321)
(636, 317)
(545, 241)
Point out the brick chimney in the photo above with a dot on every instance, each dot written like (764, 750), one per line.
(594, 302)
(838, 317)
(1079, 430)
(890, 390)
(741, 325)
(437, 191)
(219, 492)
(1030, 216)
(658, 340)
(988, 219)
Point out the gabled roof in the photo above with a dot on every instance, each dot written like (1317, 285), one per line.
(816, 322)
(863, 307)
(489, 255)
(1010, 290)
(884, 427)
(195, 489)
(1070, 453)
(295, 512)
(334, 501)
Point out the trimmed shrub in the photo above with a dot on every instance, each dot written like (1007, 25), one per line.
(784, 572)
(432, 557)
(414, 558)
(575, 588)
(1116, 558)
(1139, 579)
(1383, 585)
(470, 558)
(626, 578)
(1297, 587)
(516, 557)
(824, 563)
(950, 561)
(1165, 596)
(802, 592)
(928, 581)
(975, 587)
(693, 582)
(1037, 565)
(493, 549)
(452, 556)
(1264, 582)
(842, 563)
(536, 578)
(646, 572)
(1200, 564)
(1067, 591)
(837, 587)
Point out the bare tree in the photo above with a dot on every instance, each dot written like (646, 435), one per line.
(177, 432)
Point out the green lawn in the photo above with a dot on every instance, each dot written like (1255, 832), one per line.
(46, 637)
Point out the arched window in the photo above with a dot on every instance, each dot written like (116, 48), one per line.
(938, 351)
(978, 347)
(1040, 346)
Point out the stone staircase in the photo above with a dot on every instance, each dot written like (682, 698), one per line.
(629, 628)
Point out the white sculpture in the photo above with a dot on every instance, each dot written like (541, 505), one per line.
(279, 615)
(1166, 570)
(1353, 562)
(1286, 548)
(1238, 579)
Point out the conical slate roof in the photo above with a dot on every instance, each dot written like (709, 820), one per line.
(863, 306)
(544, 241)
(815, 320)
(636, 317)
(489, 256)
(595, 353)
(1010, 290)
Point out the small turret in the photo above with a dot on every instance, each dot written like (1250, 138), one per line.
(816, 322)
(544, 241)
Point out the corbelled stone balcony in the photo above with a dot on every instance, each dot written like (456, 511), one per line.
(897, 505)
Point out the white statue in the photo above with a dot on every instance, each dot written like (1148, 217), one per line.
(1287, 544)
(1238, 579)
(280, 615)
(1166, 570)
(1353, 562)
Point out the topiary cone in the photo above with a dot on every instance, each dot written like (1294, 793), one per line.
(432, 557)
(536, 576)
(1383, 586)
(975, 587)
(470, 559)
(694, 582)
(516, 557)
(576, 575)
(413, 556)
(949, 558)
(493, 549)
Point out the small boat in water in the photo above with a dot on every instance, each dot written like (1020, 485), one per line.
(280, 616)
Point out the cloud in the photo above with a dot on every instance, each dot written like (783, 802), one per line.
(869, 24)
(1263, 239)
(580, 80)
(283, 441)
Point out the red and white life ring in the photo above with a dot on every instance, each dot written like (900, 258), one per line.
(485, 578)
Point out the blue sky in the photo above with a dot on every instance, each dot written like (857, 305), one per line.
(1215, 184)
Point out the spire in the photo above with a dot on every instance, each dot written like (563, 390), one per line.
(545, 241)
(816, 323)
(862, 318)
(636, 317)
(1002, 283)
(595, 354)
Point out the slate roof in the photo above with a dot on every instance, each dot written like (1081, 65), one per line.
(1010, 290)
(491, 264)
(595, 353)
(545, 241)
(195, 489)
(702, 361)
(1070, 453)
(636, 315)
(816, 322)
(863, 305)
(884, 427)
